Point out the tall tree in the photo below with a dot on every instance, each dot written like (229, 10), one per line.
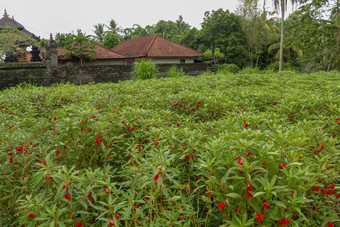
(62, 38)
(281, 5)
(113, 27)
(257, 28)
(111, 40)
(315, 28)
(222, 29)
(100, 32)
(81, 47)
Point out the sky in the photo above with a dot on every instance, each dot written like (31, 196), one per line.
(43, 17)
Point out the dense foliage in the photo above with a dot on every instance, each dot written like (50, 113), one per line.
(250, 36)
(11, 40)
(145, 69)
(81, 47)
(233, 150)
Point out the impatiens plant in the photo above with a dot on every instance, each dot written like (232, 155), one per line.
(212, 150)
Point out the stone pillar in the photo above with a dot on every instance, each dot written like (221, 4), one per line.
(51, 54)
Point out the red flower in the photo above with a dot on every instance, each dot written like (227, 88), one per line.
(31, 216)
(259, 217)
(330, 192)
(11, 159)
(249, 153)
(240, 161)
(249, 195)
(250, 187)
(292, 193)
(117, 216)
(67, 196)
(99, 139)
(332, 186)
(79, 224)
(330, 224)
(284, 221)
(156, 177)
(221, 205)
(123, 122)
(65, 185)
(246, 125)
(282, 165)
(324, 190)
(111, 223)
(316, 189)
(265, 205)
(187, 157)
(156, 143)
(55, 118)
(89, 196)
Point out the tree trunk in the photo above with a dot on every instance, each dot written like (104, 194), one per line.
(282, 27)
(257, 61)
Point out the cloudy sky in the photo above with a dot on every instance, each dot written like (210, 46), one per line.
(43, 17)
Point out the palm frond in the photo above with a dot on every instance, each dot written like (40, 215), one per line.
(274, 46)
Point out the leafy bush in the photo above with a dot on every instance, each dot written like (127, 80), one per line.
(145, 70)
(250, 70)
(174, 71)
(227, 68)
(275, 66)
(196, 151)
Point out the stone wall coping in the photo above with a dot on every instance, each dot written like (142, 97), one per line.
(22, 65)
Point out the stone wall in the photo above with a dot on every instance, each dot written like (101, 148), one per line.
(37, 73)
(13, 74)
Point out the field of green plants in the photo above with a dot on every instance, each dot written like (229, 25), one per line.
(213, 150)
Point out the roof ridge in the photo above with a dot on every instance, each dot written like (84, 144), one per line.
(109, 49)
(153, 40)
(180, 44)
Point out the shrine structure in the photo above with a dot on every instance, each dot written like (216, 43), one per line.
(22, 55)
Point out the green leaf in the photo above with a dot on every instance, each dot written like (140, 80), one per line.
(233, 195)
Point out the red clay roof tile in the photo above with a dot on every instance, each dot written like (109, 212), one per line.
(154, 46)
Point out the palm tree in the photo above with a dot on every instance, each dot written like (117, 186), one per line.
(282, 5)
(113, 26)
(100, 32)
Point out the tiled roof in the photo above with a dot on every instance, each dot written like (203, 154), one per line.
(102, 53)
(154, 46)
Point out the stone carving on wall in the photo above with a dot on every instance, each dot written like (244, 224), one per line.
(35, 54)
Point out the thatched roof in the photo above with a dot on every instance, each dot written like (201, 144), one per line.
(7, 21)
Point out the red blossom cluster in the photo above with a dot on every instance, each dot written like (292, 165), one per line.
(282, 222)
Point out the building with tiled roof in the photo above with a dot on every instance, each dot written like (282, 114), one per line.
(157, 48)
(103, 56)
